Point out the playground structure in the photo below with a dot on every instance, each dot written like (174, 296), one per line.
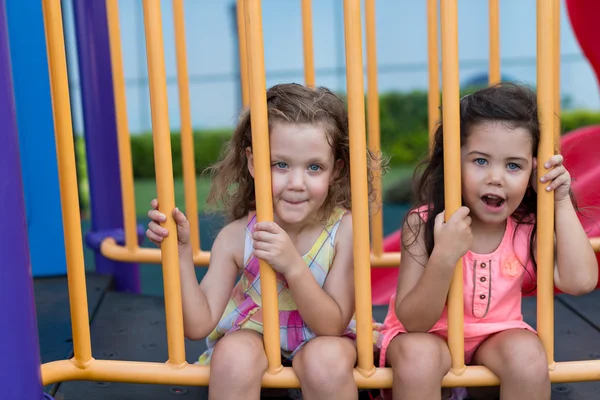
(367, 253)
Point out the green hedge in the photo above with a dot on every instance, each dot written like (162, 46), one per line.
(207, 147)
(404, 143)
(404, 138)
(82, 177)
(404, 125)
(571, 120)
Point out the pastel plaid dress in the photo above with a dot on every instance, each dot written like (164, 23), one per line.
(244, 309)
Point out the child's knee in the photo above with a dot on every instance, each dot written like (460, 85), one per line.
(418, 357)
(241, 357)
(325, 361)
(527, 361)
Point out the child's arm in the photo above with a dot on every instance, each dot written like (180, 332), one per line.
(203, 304)
(424, 282)
(226, 261)
(576, 267)
(327, 311)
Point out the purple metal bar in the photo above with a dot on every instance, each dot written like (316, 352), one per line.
(101, 134)
(19, 347)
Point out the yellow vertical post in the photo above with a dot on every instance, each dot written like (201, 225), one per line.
(545, 200)
(373, 122)
(124, 141)
(164, 177)
(262, 166)
(67, 176)
(433, 95)
(187, 138)
(494, 68)
(358, 183)
(556, 54)
(241, 25)
(452, 184)
(307, 40)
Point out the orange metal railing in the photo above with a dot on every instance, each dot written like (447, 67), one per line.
(124, 141)
(161, 133)
(69, 195)
(494, 26)
(358, 183)
(177, 371)
(241, 25)
(131, 250)
(307, 41)
(262, 167)
(373, 128)
(187, 139)
(452, 189)
(545, 200)
(433, 94)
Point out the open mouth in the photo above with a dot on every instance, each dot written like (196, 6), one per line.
(492, 200)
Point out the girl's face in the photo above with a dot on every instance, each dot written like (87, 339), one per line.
(496, 163)
(302, 170)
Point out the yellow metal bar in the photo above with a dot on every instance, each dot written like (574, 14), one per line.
(595, 242)
(187, 138)
(194, 375)
(385, 260)
(307, 41)
(556, 54)
(111, 249)
(452, 184)
(67, 176)
(373, 123)
(433, 95)
(494, 73)
(358, 183)
(164, 177)
(262, 166)
(241, 24)
(545, 200)
(124, 141)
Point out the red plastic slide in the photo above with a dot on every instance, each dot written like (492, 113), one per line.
(581, 149)
(584, 20)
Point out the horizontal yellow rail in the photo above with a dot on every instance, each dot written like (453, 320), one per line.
(197, 375)
(595, 242)
(111, 249)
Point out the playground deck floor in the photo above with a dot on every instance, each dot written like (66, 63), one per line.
(132, 327)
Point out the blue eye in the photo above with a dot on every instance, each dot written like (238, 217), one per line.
(480, 161)
(280, 165)
(314, 167)
(513, 166)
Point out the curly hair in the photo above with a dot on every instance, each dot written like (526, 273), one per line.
(232, 186)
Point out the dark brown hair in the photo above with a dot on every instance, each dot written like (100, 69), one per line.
(232, 186)
(510, 104)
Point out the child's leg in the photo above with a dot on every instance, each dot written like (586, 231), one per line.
(419, 362)
(325, 368)
(237, 366)
(518, 358)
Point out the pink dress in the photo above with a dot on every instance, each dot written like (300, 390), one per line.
(492, 288)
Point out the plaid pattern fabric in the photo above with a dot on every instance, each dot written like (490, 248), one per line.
(244, 310)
